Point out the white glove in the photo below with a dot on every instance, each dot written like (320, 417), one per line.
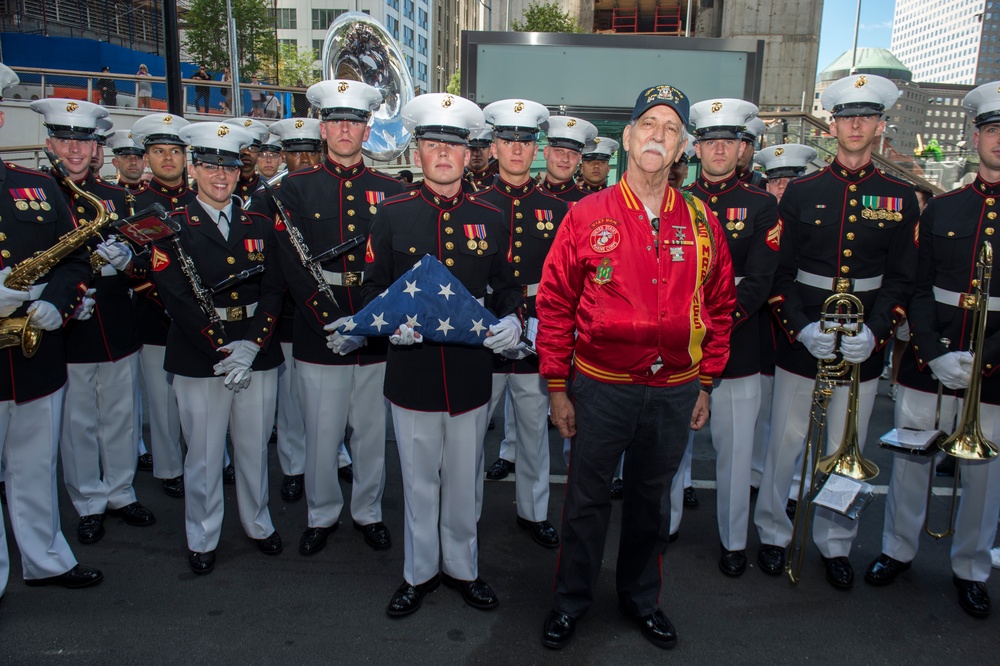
(115, 253)
(241, 354)
(45, 316)
(505, 335)
(238, 379)
(953, 369)
(519, 351)
(86, 306)
(818, 342)
(339, 343)
(405, 336)
(10, 299)
(857, 348)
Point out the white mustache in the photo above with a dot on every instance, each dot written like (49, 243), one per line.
(655, 147)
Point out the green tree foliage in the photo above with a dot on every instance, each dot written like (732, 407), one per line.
(455, 84)
(295, 65)
(206, 34)
(545, 17)
(933, 151)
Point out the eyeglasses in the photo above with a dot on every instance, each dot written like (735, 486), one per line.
(252, 149)
(212, 168)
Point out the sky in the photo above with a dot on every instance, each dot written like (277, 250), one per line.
(837, 31)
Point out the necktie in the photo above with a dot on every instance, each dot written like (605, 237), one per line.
(224, 226)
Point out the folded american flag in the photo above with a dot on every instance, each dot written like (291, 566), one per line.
(431, 300)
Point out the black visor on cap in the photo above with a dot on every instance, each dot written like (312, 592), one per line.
(524, 134)
(343, 113)
(479, 143)
(719, 133)
(131, 150)
(858, 109)
(443, 133)
(300, 145)
(987, 118)
(270, 148)
(560, 142)
(785, 172)
(162, 139)
(215, 156)
(683, 159)
(596, 157)
(69, 132)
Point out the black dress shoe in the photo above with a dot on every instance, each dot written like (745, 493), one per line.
(134, 514)
(733, 562)
(292, 486)
(839, 572)
(771, 559)
(314, 539)
(145, 462)
(541, 532)
(790, 509)
(690, 498)
(477, 593)
(883, 570)
(271, 545)
(407, 598)
(655, 627)
(229, 474)
(499, 470)
(973, 597)
(376, 534)
(77, 577)
(90, 529)
(201, 563)
(174, 487)
(674, 536)
(558, 630)
(753, 491)
(617, 489)
(346, 473)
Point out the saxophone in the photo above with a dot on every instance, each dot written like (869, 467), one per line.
(18, 331)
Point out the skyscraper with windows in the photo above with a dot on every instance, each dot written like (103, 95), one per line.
(948, 41)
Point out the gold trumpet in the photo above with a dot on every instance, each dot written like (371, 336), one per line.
(968, 442)
(842, 313)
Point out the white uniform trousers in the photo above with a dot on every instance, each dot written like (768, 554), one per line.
(528, 401)
(682, 480)
(906, 504)
(332, 395)
(833, 533)
(735, 406)
(291, 425)
(508, 445)
(439, 459)
(164, 421)
(343, 455)
(29, 437)
(762, 429)
(100, 434)
(207, 408)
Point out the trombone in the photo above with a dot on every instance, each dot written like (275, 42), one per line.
(967, 442)
(842, 313)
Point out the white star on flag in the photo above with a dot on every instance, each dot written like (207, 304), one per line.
(378, 321)
(349, 325)
(445, 325)
(477, 326)
(412, 321)
(411, 288)
(446, 291)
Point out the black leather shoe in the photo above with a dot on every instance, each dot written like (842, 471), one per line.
(229, 475)
(201, 563)
(617, 489)
(292, 486)
(314, 539)
(839, 572)
(771, 559)
(407, 598)
(77, 577)
(134, 514)
(790, 509)
(558, 630)
(90, 529)
(174, 487)
(477, 593)
(501, 469)
(346, 473)
(733, 562)
(376, 534)
(690, 498)
(883, 570)
(145, 462)
(271, 545)
(674, 536)
(655, 627)
(973, 597)
(541, 532)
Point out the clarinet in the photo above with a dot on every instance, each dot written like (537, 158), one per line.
(201, 294)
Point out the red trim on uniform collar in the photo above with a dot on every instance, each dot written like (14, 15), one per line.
(986, 188)
(345, 172)
(439, 201)
(845, 174)
(513, 191)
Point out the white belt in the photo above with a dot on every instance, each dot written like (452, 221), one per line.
(237, 312)
(349, 279)
(739, 278)
(955, 299)
(830, 284)
(107, 270)
(35, 291)
(531, 290)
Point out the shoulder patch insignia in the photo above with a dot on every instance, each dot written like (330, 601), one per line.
(160, 259)
(369, 253)
(774, 236)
